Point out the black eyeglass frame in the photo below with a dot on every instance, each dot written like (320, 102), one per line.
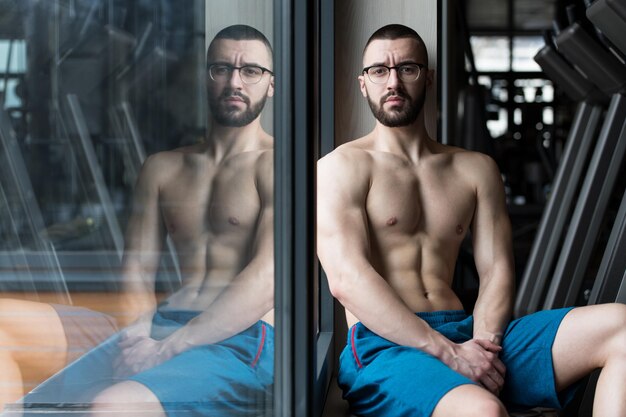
(232, 69)
(420, 66)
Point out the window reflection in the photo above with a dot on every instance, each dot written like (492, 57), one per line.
(136, 208)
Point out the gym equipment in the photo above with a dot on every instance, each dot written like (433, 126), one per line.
(568, 176)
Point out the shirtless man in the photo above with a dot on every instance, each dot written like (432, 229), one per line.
(393, 209)
(215, 200)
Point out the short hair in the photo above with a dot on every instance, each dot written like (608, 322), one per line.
(241, 33)
(397, 31)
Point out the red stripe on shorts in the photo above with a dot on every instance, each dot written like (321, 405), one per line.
(356, 357)
(258, 353)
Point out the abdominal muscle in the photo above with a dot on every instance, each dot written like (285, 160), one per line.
(420, 294)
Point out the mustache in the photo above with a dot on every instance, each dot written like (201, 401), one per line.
(395, 93)
(234, 93)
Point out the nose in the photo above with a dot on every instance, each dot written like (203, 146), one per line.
(235, 80)
(394, 80)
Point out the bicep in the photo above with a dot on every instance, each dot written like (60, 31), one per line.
(145, 230)
(491, 228)
(342, 236)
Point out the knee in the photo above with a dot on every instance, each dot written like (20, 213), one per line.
(487, 407)
(617, 315)
(126, 398)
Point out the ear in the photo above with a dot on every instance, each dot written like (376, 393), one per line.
(270, 89)
(361, 79)
(430, 76)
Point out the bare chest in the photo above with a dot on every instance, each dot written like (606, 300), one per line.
(221, 205)
(406, 203)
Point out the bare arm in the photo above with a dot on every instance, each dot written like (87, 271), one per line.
(144, 240)
(344, 250)
(493, 255)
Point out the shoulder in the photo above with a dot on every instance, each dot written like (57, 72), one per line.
(470, 165)
(348, 159)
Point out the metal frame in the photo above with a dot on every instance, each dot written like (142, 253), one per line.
(590, 208)
(303, 359)
(613, 266)
(94, 171)
(558, 209)
(15, 177)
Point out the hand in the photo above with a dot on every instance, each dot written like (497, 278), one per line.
(138, 353)
(478, 360)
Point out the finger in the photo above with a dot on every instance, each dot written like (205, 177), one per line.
(489, 346)
(496, 377)
(497, 363)
(489, 384)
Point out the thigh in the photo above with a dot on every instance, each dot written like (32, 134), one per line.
(34, 335)
(585, 339)
(211, 380)
(527, 355)
(396, 381)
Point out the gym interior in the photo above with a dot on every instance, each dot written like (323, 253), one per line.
(90, 88)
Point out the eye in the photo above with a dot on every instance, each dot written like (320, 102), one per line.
(220, 69)
(252, 71)
(378, 71)
(408, 69)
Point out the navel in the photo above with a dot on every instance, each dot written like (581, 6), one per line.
(392, 221)
(459, 229)
(233, 220)
(171, 228)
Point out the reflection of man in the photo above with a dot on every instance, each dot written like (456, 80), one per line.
(394, 207)
(209, 346)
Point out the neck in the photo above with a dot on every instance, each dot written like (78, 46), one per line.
(411, 141)
(224, 141)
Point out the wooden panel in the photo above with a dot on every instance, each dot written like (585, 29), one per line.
(355, 21)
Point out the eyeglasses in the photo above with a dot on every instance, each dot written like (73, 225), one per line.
(250, 74)
(379, 74)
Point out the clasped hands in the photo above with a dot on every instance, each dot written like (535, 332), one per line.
(478, 360)
(138, 351)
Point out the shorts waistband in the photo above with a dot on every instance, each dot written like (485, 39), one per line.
(439, 318)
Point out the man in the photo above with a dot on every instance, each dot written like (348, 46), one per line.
(209, 347)
(393, 209)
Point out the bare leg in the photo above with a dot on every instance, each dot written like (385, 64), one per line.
(128, 398)
(469, 401)
(32, 346)
(594, 337)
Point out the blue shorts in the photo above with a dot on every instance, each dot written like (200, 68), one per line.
(382, 379)
(230, 378)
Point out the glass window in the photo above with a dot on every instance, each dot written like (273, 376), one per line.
(136, 205)
(524, 50)
(491, 53)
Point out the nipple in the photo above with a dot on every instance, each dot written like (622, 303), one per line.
(392, 221)
(459, 229)
(234, 221)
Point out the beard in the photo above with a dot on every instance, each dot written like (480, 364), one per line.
(399, 115)
(229, 115)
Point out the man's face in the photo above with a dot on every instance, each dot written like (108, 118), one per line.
(234, 103)
(395, 103)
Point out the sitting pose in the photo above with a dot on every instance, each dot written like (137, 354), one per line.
(393, 209)
(208, 348)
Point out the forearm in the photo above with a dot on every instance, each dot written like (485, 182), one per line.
(370, 298)
(246, 299)
(493, 308)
